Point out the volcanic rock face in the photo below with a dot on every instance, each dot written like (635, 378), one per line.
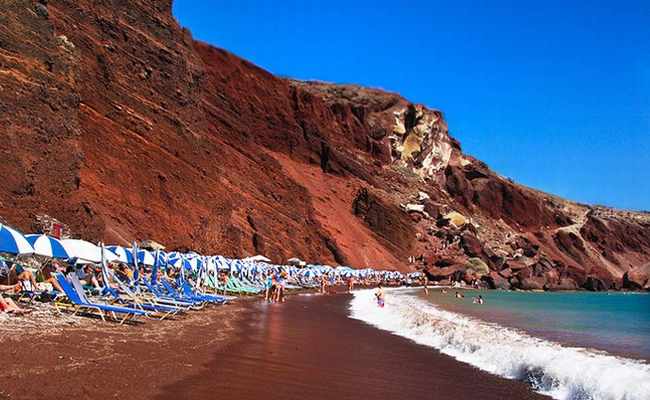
(116, 122)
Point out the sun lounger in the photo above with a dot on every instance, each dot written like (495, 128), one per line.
(159, 311)
(188, 292)
(175, 300)
(80, 302)
(172, 291)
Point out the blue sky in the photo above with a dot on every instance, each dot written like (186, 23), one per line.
(555, 95)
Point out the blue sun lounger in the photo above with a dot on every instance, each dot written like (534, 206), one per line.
(176, 301)
(188, 292)
(171, 291)
(80, 302)
(161, 311)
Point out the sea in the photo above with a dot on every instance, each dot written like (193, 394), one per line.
(568, 345)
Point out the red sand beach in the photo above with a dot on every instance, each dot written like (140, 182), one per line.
(306, 348)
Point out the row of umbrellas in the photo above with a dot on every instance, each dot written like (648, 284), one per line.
(13, 242)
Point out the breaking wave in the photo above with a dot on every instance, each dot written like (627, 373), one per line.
(562, 372)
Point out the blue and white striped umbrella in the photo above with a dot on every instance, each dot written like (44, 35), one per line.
(160, 257)
(196, 263)
(180, 263)
(174, 255)
(47, 246)
(124, 255)
(146, 258)
(13, 242)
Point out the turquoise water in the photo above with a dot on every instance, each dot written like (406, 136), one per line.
(618, 323)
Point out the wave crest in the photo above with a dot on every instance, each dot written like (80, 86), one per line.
(564, 373)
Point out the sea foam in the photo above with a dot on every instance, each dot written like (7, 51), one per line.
(562, 372)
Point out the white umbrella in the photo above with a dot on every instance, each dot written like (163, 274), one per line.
(258, 258)
(86, 251)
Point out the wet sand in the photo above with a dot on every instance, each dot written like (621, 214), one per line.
(306, 348)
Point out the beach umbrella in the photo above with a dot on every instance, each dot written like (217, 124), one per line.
(146, 258)
(160, 257)
(123, 255)
(180, 263)
(86, 252)
(195, 263)
(13, 242)
(258, 258)
(174, 255)
(47, 246)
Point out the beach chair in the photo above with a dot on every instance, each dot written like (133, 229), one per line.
(177, 301)
(80, 303)
(154, 310)
(172, 291)
(188, 292)
(236, 284)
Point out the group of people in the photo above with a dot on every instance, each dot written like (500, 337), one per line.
(329, 280)
(275, 287)
(17, 280)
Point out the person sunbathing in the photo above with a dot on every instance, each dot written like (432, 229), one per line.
(48, 275)
(10, 307)
(7, 304)
(23, 276)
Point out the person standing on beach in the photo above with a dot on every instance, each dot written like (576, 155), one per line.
(279, 289)
(268, 285)
(379, 294)
(323, 283)
(350, 284)
(426, 284)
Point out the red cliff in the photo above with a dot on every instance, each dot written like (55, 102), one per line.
(115, 121)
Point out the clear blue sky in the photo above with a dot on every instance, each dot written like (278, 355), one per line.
(551, 94)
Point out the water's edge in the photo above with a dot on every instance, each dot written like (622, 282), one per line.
(562, 372)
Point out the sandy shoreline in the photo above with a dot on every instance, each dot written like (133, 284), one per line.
(304, 349)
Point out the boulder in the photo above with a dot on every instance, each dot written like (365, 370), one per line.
(455, 218)
(477, 266)
(432, 209)
(636, 278)
(471, 244)
(525, 246)
(454, 272)
(596, 284)
(41, 10)
(414, 208)
(518, 263)
(564, 284)
(530, 283)
(496, 281)
(506, 273)
(469, 277)
(416, 216)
